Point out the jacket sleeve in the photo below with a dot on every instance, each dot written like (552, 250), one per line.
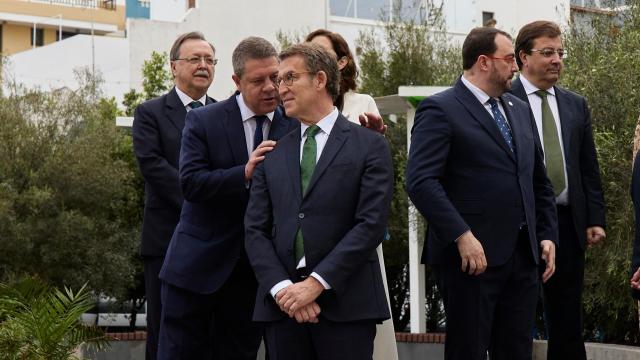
(161, 176)
(590, 173)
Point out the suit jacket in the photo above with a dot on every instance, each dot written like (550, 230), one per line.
(462, 175)
(207, 243)
(157, 130)
(343, 216)
(581, 160)
(635, 197)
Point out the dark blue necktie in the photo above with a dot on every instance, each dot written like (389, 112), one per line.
(195, 104)
(257, 136)
(503, 126)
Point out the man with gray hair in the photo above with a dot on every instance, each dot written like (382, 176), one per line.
(157, 128)
(318, 209)
(208, 286)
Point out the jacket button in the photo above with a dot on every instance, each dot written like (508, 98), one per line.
(301, 216)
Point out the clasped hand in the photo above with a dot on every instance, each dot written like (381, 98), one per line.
(298, 300)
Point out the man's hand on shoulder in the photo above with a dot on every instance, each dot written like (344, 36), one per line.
(256, 157)
(373, 121)
(472, 254)
(548, 248)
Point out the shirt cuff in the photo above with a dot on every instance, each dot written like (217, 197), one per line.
(279, 286)
(321, 280)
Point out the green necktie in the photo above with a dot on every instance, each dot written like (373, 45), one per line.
(552, 151)
(195, 104)
(307, 165)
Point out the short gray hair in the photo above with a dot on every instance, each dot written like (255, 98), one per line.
(174, 54)
(317, 59)
(250, 48)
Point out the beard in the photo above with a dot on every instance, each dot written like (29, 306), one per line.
(499, 81)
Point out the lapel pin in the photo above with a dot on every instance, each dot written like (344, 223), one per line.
(510, 103)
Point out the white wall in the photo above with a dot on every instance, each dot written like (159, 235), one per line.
(168, 10)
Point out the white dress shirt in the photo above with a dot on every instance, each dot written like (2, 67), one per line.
(484, 98)
(536, 107)
(325, 125)
(249, 123)
(186, 100)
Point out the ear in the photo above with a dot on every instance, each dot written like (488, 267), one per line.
(321, 79)
(523, 57)
(173, 68)
(236, 80)
(483, 63)
(342, 62)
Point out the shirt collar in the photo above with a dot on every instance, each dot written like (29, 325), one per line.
(325, 124)
(186, 100)
(529, 88)
(247, 113)
(476, 91)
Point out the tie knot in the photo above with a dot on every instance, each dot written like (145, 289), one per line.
(195, 104)
(312, 131)
(492, 102)
(260, 120)
(542, 94)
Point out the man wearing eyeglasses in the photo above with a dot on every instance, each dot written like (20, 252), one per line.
(564, 126)
(476, 173)
(157, 129)
(318, 209)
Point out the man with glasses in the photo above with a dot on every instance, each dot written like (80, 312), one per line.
(318, 209)
(564, 126)
(157, 128)
(476, 173)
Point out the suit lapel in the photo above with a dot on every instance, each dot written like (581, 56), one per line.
(235, 131)
(175, 110)
(518, 90)
(516, 126)
(565, 116)
(291, 144)
(480, 113)
(279, 125)
(338, 136)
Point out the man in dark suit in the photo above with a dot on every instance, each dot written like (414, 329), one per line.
(564, 126)
(208, 286)
(476, 173)
(318, 208)
(157, 129)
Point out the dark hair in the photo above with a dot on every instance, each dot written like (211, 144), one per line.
(252, 47)
(532, 31)
(174, 54)
(349, 73)
(317, 59)
(480, 41)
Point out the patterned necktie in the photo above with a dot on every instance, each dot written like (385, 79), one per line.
(307, 165)
(503, 126)
(257, 135)
(551, 142)
(195, 104)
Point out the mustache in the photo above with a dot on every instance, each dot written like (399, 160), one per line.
(201, 73)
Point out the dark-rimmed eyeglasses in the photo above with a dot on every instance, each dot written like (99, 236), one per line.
(195, 60)
(509, 58)
(549, 52)
(290, 77)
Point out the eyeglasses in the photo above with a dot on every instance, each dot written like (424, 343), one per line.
(549, 52)
(290, 77)
(509, 58)
(195, 60)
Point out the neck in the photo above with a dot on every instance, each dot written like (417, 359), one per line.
(482, 82)
(192, 94)
(318, 113)
(542, 85)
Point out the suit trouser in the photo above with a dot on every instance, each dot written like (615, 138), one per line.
(493, 311)
(152, 266)
(563, 294)
(211, 326)
(326, 340)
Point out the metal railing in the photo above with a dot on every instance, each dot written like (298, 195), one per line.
(97, 4)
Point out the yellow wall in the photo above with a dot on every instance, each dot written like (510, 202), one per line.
(15, 38)
(113, 17)
(50, 35)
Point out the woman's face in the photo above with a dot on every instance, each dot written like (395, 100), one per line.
(325, 42)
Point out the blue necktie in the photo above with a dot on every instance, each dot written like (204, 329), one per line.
(503, 126)
(195, 104)
(257, 136)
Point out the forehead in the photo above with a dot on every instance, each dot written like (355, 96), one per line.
(195, 46)
(255, 68)
(504, 45)
(545, 41)
(292, 63)
(323, 41)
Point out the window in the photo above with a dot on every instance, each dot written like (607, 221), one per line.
(39, 37)
(487, 18)
(65, 34)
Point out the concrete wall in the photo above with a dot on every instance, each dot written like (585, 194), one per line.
(168, 10)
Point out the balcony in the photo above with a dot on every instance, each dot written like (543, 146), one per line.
(95, 4)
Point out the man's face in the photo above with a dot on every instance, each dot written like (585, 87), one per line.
(503, 64)
(543, 71)
(257, 85)
(298, 96)
(193, 79)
